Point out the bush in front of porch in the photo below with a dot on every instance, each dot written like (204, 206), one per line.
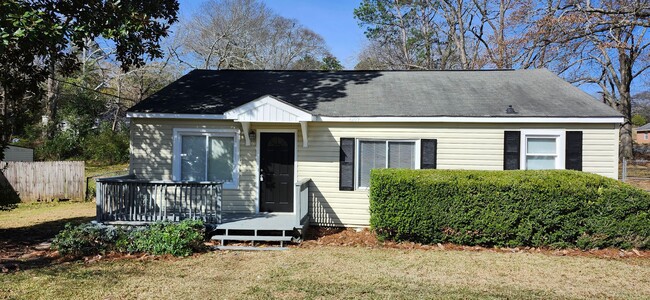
(552, 208)
(178, 239)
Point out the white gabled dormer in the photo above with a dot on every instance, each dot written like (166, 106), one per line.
(269, 109)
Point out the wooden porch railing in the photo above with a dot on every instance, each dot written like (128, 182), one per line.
(302, 197)
(128, 199)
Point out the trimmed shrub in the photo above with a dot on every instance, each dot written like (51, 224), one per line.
(178, 239)
(556, 208)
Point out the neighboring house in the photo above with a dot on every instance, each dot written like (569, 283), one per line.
(261, 132)
(15, 153)
(642, 134)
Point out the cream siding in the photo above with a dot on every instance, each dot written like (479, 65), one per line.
(460, 146)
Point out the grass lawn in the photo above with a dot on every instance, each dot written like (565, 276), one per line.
(104, 171)
(321, 272)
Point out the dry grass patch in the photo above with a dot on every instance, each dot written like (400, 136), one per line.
(30, 224)
(339, 272)
(30, 214)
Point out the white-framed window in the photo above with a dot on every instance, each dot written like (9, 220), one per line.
(542, 149)
(206, 155)
(381, 154)
(645, 136)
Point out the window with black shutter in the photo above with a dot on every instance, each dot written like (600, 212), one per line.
(346, 165)
(428, 154)
(573, 150)
(511, 145)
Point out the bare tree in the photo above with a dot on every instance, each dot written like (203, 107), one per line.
(610, 43)
(243, 34)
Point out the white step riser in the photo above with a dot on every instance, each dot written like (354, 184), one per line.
(251, 238)
(245, 248)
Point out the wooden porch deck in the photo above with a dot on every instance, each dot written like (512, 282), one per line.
(261, 221)
(129, 201)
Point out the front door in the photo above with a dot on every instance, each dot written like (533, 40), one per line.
(277, 155)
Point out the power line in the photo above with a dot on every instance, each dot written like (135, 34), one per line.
(93, 90)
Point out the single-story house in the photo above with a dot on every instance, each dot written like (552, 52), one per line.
(15, 153)
(284, 140)
(642, 134)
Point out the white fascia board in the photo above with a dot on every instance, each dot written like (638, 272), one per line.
(174, 116)
(593, 120)
(616, 120)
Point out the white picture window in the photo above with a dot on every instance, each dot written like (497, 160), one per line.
(542, 150)
(381, 154)
(206, 155)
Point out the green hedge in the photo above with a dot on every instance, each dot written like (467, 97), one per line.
(509, 208)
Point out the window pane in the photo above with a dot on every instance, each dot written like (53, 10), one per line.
(372, 155)
(220, 159)
(540, 162)
(401, 155)
(193, 158)
(540, 145)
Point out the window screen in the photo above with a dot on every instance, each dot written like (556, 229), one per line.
(372, 155)
(541, 153)
(384, 154)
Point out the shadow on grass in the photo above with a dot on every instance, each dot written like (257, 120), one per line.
(19, 246)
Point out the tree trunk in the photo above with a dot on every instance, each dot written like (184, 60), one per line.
(51, 101)
(624, 84)
(4, 114)
(117, 104)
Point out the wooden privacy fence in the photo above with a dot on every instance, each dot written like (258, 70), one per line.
(48, 180)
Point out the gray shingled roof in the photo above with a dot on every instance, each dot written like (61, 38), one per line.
(645, 127)
(532, 93)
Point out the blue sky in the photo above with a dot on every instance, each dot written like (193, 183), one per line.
(332, 19)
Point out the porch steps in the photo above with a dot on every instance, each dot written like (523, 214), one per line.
(250, 238)
(249, 248)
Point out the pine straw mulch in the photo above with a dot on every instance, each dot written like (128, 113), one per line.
(362, 237)
(16, 257)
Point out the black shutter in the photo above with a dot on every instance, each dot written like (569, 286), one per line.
(573, 150)
(346, 165)
(511, 145)
(428, 154)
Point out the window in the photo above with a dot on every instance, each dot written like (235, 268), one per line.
(542, 150)
(380, 154)
(645, 136)
(206, 155)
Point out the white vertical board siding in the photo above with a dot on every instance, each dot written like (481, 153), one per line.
(460, 146)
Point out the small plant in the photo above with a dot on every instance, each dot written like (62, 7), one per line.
(86, 239)
(178, 239)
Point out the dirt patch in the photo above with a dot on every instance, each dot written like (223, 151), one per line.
(362, 237)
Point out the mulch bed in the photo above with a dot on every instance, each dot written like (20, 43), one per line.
(362, 237)
(23, 253)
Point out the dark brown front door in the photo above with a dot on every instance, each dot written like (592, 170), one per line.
(277, 152)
